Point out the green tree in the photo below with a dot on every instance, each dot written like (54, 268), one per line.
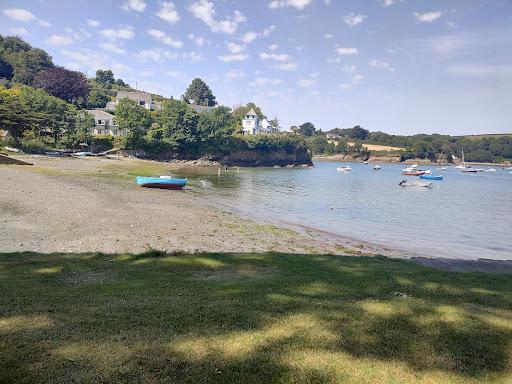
(179, 125)
(216, 124)
(134, 118)
(199, 93)
(307, 129)
(105, 78)
(97, 98)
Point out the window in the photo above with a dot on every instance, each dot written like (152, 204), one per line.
(142, 103)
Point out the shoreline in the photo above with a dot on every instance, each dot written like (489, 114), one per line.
(91, 204)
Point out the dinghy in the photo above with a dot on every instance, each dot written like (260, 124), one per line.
(345, 168)
(413, 173)
(164, 182)
(414, 183)
(377, 167)
(431, 177)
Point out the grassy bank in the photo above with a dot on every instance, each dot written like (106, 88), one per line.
(256, 318)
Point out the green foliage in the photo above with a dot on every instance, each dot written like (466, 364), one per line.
(134, 118)
(105, 78)
(199, 92)
(25, 61)
(97, 98)
(6, 69)
(216, 124)
(307, 129)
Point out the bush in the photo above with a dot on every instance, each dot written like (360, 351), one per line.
(102, 143)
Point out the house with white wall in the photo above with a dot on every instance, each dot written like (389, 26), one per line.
(252, 124)
(105, 124)
(144, 99)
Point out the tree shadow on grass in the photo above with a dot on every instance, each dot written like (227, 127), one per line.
(248, 318)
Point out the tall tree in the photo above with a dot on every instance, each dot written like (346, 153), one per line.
(307, 129)
(216, 124)
(199, 93)
(131, 116)
(59, 82)
(179, 124)
(105, 78)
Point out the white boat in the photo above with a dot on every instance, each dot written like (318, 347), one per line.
(490, 170)
(444, 168)
(408, 169)
(345, 168)
(509, 169)
(365, 162)
(376, 167)
(11, 149)
(428, 172)
(414, 183)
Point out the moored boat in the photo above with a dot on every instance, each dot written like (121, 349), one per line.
(345, 168)
(163, 182)
(431, 177)
(469, 170)
(414, 183)
(377, 167)
(413, 173)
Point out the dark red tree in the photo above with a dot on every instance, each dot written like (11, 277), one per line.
(59, 82)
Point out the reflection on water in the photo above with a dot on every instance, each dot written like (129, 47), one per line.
(463, 216)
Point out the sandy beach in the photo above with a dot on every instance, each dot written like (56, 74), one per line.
(93, 204)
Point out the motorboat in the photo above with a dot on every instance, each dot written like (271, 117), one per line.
(414, 183)
(345, 168)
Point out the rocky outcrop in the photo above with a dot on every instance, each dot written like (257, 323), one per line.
(267, 159)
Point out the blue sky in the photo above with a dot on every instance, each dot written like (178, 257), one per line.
(399, 66)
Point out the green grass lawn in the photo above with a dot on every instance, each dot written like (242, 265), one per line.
(249, 318)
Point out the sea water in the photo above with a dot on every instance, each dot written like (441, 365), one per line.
(464, 216)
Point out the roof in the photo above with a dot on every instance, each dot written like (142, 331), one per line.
(252, 112)
(134, 95)
(100, 114)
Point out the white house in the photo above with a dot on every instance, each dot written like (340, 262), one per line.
(105, 124)
(253, 125)
(144, 99)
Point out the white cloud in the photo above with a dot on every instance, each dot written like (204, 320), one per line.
(59, 40)
(236, 57)
(328, 36)
(356, 79)
(387, 3)
(87, 60)
(44, 23)
(155, 54)
(345, 86)
(168, 12)
(112, 47)
(204, 10)
(19, 31)
(124, 33)
(234, 48)
(286, 66)
(264, 81)
(347, 51)
(268, 30)
(274, 56)
(306, 83)
(134, 5)
(93, 23)
(249, 37)
(381, 64)
(428, 17)
(299, 4)
(199, 40)
(234, 74)
(349, 68)
(19, 14)
(391, 51)
(273, 47)
(353, 19)
(192, 56)
(162, 37)
(335, 60)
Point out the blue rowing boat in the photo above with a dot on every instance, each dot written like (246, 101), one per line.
(164, 182)
(431, 177)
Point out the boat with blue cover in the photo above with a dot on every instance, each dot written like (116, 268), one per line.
(431, 177)
(164, 182)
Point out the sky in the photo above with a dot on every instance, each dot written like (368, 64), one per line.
(397, 66)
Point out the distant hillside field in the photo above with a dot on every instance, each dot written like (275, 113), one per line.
(488, 135)
(376, 147)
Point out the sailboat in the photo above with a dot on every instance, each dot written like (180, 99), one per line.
(463, 165)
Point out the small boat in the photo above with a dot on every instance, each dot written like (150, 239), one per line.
(427, 171)
(365, 162)
(164, 182)
(509, 169)
(413, 173)
(377, 167)
(469, 170)
(431, 177)
(345, 168)
(11, 149)
(444, 168)
(490, 170)
(414, 183)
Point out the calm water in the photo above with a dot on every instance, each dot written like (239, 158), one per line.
(463, 216)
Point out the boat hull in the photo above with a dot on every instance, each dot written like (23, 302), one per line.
(415, 173)
(161, 183)
(431, 177)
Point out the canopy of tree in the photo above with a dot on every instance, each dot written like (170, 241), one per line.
(59, 82)
(307, 129)
(199, 93)
(26, 62)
